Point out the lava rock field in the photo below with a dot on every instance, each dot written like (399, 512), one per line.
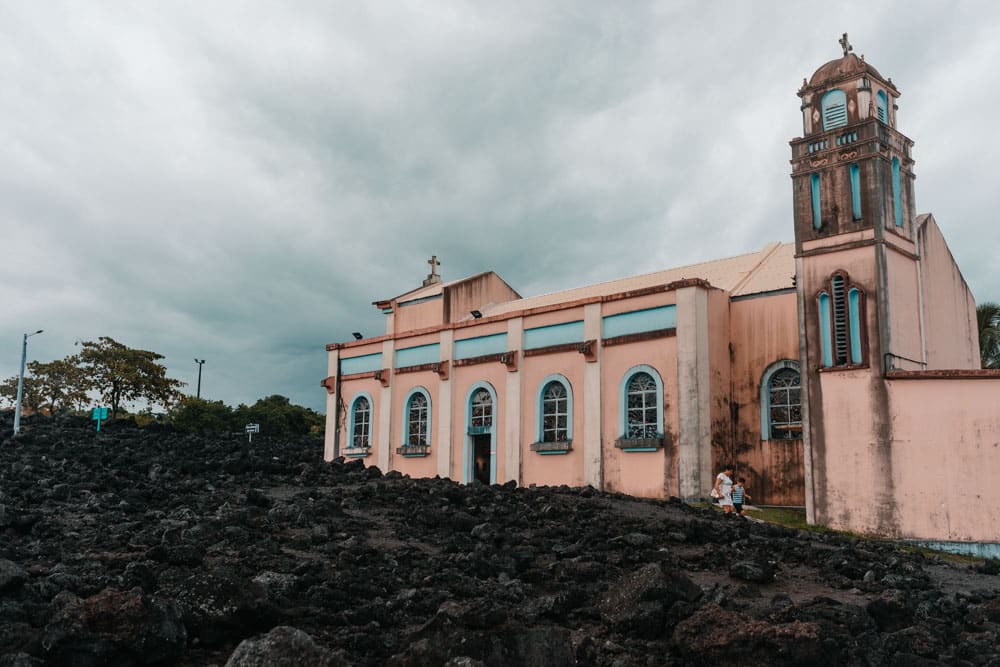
(156, 547)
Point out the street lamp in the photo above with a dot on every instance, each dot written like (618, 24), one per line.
(199, 362)
(20, 382)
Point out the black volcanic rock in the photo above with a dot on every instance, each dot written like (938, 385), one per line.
(159, 547)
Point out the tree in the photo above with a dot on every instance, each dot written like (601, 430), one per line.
(198, 414)
(278, 416)
(121, 373)
(62, 383)
(31, 398)
(988, 318)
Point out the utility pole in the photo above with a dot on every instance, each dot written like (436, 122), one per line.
(199, 362)
(20, 382)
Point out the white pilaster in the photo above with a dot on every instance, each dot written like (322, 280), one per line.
(592, 412)
(330, 432)
(512, 404)
(385, 411)
(694, 394)
(444, 409)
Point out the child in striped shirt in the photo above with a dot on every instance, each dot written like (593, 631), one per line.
(739, 494)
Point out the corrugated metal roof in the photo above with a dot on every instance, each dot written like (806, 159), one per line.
(771, 268)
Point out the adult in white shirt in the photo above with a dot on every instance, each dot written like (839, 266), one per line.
(724, 488)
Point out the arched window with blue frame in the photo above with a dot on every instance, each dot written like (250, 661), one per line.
(641, 404)
(417, 418)
(360, 427)
(842, 327)
(480, 452)
(855, 171)
(882, 106)
(554, 410)
(781, 401)
(834, 109)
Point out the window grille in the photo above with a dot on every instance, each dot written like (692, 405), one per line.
(555, 413)
(361, 420)
(482, 409)
(416, 432)
(641, 396)
(785, 404)
(839, 320)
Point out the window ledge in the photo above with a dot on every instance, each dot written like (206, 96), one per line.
(356, 452)
(414, 451)
(639, 444)
(559, 447)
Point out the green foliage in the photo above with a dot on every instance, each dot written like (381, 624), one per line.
(31, 395)
(988, 318)
(121, 373)
(276, 415)
(62, 383)
(199, 414)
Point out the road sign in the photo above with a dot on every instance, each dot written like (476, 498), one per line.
(251, 429)
(97, 414)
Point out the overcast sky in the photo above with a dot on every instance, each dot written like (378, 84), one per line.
(238, 181)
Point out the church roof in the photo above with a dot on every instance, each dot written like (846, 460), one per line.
(770, 269)
(841, 68)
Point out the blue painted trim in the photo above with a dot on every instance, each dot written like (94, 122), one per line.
(855, 191)
(623, 398)
(371, 419)
(468, 460)
(420, 354)
(555, 334)
(897, 193)
(480, 345)
(834, 105)
(825, 344)
(639, 321)
(539, 396)
(765, 393)
(882, 106)
(815, 193)
(557, 451)
(363, 364)
(640, 449)
(978, 549)
(405, 430)
(854, 318)
(416, 456)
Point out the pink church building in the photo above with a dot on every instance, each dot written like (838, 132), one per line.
(839, 372)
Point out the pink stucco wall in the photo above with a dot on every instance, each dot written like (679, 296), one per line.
(649, 474)
(463, 378)
(764, 331)
(952, 336)
(419, 315)
(402, 385)
(904, 311)
(929, 474)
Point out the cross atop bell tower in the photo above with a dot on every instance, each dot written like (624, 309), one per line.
(844, 44)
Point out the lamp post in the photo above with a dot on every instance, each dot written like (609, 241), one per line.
(199, 362)
(20, 382)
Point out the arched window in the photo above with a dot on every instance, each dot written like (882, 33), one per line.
(781, 402)
(882, 107)
(897, 193)
(841, 327)
(361, 422)
(642, 404)
(555, 410)
(482, 410)
(834, 105)
(417, 419)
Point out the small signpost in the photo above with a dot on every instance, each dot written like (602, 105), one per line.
(97, 414)
(251, 429)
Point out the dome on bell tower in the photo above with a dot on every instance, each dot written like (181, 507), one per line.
(848, 67)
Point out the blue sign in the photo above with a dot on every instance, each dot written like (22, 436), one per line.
(97, 414)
